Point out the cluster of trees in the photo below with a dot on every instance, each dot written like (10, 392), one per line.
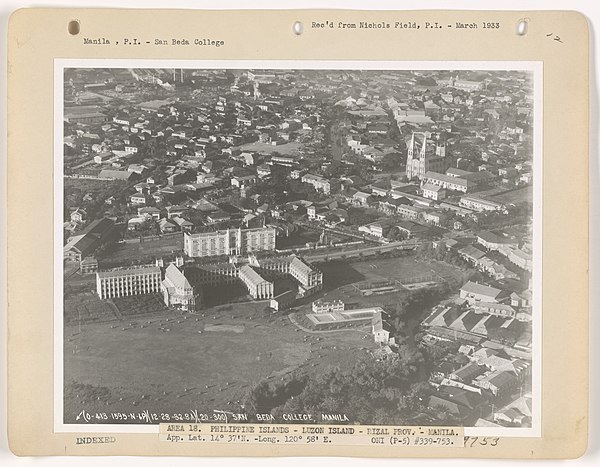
(396, 235)
(278, 189)
(75, 190)
(389, 391)
(360, 216)
(393, 162)
(427, 252)
(413, 305)
(507, 336)
(439, 352)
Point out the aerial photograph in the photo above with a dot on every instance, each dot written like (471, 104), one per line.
(297, 246)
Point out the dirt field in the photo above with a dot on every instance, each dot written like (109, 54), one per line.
(171, 363)
(145, 252)
(519, 195)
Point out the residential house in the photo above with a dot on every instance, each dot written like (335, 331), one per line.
(381, 328)
(409, 212)
(476, 292)
(494, 242)
(390, 205)
(459, 402)
(500, 383)
(319, 183)
(167, 226)
(138, 199)
(149, 211)
(376, 229)
(79, 216)
(471, 254)
(412, 229)
(495, 270)
(434, 192)
(520, 258)
(243, 181)
(361, 198)
(136, 223)
(433, 217)
(176, 211)
(467, 373)
(183, 224)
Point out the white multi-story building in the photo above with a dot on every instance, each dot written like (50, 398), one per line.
(448, 182)
(258, 287)
(520, 258)
(480, 204)
(434, 192)
(309, 279)
(123, 282)
(319, 183)
(321, 306)
(229, 242)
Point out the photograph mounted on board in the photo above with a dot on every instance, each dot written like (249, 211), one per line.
(345, 243)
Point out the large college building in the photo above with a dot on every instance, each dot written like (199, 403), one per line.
(258, 287)
(308, 279)
(229, 242)
(122, 282)
(182, 285)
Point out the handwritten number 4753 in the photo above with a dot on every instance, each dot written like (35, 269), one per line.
(471, 441)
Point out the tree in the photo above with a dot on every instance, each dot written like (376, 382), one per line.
(507, 336)
(359, 216)
(393, 162)
(396, 235)
(369, 391)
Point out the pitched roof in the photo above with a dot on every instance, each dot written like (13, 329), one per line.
(165, 223)
(115, 174)
(447, 179)
(250, 274)
(445, 317)
(471, 252)
(480, 289)
(302, 265)
(460, 396)
(432, 187)
(469, 371)
(99, 226)
(180, 221)
(81, 243)
(500, 378)
(467, 321)
(91, 237)
(176, 277)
